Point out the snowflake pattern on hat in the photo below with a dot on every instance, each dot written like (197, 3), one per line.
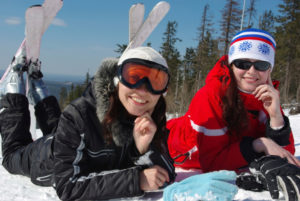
(231, 50)
(245, 46)
(264, 49)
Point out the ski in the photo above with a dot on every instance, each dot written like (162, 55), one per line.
(155, 16)
(34, 18)
(51, 7)
(136, 18)
(20, 54)
(40, 17)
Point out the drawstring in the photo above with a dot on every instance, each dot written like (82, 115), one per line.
(187, 155)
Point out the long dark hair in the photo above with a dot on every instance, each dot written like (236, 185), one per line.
(234, 112)
(158, 116)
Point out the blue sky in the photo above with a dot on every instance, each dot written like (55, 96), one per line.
(86, 31)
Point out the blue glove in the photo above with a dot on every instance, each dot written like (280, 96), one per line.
(209, 186)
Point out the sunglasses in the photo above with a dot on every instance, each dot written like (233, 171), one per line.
(246, 65)
(134, 73)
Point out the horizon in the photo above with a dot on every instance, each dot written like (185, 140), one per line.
(58, 77)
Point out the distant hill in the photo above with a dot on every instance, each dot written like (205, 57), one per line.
(54, 87)
(56, 82)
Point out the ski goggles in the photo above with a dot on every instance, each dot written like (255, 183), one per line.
(246, 65)
(135, 72)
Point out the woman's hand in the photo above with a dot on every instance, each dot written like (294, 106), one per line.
(143, 132)
(269, 147)
(153, 178)
(270, 98)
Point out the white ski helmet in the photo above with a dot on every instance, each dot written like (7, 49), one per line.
(144, 53)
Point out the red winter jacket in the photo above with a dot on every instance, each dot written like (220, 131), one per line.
(203, 133)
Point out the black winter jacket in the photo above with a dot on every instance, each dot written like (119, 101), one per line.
(86, 167)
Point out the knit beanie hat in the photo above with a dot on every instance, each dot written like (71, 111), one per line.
(252, 44)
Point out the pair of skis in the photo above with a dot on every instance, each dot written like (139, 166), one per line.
(37, 18)
(140, 30)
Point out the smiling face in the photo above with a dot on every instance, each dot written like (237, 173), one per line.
(248, 80)
(137, 101)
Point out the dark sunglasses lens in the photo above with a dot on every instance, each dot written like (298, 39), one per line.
(242, 64)
(261, 65)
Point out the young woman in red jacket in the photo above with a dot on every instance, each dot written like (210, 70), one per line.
(236, 117)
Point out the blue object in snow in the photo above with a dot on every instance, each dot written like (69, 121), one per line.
(210, 186)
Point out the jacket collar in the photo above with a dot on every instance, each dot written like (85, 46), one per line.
(102, 88)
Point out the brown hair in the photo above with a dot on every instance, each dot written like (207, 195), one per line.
(234, 112)
(158, 116)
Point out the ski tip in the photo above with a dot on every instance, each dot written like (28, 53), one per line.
(137, 4)
(163, 3)
(37, 5)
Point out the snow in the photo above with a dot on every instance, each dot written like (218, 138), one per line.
(20, 188)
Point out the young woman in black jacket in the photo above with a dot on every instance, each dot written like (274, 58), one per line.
(109, 143)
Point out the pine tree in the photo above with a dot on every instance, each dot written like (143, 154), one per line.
(87, 80)
(172, 56)
(120, 48)
(206, 51)
(78, 91)
(230, 22)
(63, 94)
(201, 49)
(288, 49)
(71, 94)
(266, 21)
(252, 11)
(188, 79)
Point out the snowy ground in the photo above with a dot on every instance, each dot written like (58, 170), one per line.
(19, 188)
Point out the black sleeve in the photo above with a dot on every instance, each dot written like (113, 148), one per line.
(281, 136)
(14, 128)
(47, 114)
(73, 181)
(154, 157)
(247, 150)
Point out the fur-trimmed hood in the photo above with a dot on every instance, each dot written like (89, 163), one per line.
(103, 87)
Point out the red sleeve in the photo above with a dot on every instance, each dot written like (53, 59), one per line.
(291, 146)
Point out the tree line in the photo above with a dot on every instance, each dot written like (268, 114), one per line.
(67, 96)
(188, 71)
